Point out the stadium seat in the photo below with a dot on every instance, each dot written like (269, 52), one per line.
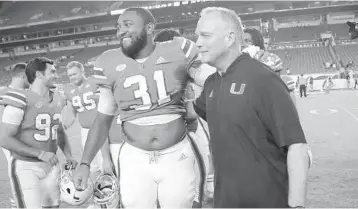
(304, 60)
(348, 53)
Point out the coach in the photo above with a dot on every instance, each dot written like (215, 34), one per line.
(259, 150)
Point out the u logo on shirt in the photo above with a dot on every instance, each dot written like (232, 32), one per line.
(241, 90)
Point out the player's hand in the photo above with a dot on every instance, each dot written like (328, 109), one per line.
(49, 158)
(72, 163)
(80, 177)
(108, 166)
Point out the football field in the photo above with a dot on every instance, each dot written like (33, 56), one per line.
(330, 123)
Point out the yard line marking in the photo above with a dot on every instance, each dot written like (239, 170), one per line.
(316, 112)
(349, 113)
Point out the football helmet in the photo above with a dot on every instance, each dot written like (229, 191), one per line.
(69, 194)
(106, 191)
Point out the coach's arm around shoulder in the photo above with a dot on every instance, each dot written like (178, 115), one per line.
(97, 135)
(9, 127)
(279, 114)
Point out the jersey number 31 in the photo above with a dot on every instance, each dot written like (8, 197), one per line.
(142, 92)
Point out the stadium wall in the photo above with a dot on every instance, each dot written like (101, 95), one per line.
(320, 78)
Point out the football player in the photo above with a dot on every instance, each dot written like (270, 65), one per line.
(82, 98)
(256, 46)
(31, 130)
(194, 122)
(146, 83)
(18, 82)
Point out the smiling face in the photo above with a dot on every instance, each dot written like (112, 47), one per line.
(48, 76)
(213, 38)
(75, 75)
(132, 33)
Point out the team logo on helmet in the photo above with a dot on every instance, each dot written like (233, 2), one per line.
(106, 192)
(69, 194)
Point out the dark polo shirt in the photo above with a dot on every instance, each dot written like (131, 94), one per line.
(252, 121)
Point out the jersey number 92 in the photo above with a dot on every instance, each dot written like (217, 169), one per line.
(45, 123)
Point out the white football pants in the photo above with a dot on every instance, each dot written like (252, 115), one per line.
(202, 139)
(35, 184)
(168, 176)
(8, 158)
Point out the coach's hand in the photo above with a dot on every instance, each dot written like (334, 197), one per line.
(49, 158)
(80, 177)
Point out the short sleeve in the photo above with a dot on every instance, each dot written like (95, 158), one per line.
(278, 112)
(191, 56)
(107, 104)
(290, 83)
(12, 115)
(189, 49)
(15, 99)
(100, 76)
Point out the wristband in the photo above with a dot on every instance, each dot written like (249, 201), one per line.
(86, 164)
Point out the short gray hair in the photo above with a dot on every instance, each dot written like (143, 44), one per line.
(229, 16)
(75, 64)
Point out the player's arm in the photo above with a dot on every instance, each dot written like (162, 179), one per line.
(108, 166)
(278, 113)
(197, 71)
(99, 130)
(189, 102)
(106, 154)
(69, 115)
(199, 105)
(10, 122)
(63, 142)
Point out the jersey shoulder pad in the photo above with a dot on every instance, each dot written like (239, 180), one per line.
(291, 84)
(274, 62)
(99, 68)
(269, 59)
(16, 98)
(188, 47)
(102, 74)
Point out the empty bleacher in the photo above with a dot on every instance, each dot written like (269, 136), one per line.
(348, 53)
(304, 60)
(297, 34)
(33, 11)
(21, 12)
(309, 33)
